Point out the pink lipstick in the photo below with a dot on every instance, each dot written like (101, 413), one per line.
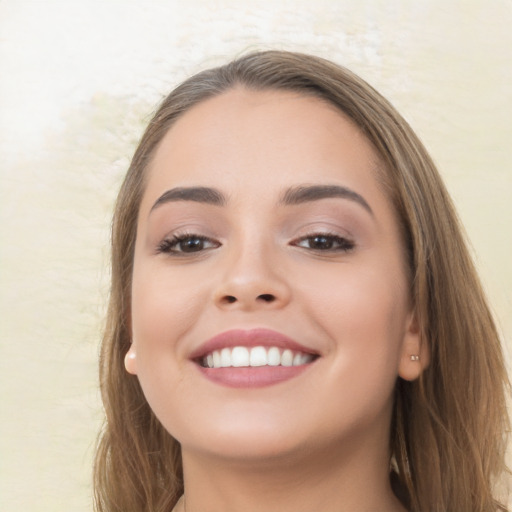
(252, 358)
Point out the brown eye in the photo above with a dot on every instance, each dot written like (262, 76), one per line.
(321, 242)
(187, 244)
(325, 242)
(191, 244)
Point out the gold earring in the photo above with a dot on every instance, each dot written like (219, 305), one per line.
(415, 358)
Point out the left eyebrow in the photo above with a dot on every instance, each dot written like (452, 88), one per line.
(308, 193)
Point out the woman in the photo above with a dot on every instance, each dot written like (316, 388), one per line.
(295, 322)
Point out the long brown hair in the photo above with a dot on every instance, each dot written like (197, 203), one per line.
(448, 433)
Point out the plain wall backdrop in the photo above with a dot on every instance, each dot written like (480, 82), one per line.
(79, 80)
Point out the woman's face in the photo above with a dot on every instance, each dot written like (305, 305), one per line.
(270, 305)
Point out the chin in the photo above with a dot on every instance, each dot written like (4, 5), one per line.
(253, 451)
(253, 440)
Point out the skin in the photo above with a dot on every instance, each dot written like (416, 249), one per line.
(318, 441)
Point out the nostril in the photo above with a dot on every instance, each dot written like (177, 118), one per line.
(266, 297)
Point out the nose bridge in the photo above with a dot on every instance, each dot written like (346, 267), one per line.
(251, 277)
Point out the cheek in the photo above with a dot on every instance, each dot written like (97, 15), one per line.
(364, 312)
(365, 320)
(164, 308)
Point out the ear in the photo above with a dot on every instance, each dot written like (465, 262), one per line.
(415, 355)
(130, 360)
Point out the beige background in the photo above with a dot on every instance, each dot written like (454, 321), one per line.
(78, 80)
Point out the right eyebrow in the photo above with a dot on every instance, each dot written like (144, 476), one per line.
(197, 194)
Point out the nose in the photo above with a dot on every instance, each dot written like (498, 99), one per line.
(252, 281)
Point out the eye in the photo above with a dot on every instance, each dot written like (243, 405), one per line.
(324, 242)
(186, 244)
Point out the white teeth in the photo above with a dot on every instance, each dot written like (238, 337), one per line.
(225, 357)
(274, 356)
(287, 358)
(258, 357)
(255, 356)
(240, 357)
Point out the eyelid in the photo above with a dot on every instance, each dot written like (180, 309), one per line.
(321, 225)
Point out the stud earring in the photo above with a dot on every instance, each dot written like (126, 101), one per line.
(415, 358)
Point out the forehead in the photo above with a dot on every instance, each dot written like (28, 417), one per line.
(263, 139)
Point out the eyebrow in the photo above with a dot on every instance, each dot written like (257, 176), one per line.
(308, 193)
(293, 196)
(197, 194)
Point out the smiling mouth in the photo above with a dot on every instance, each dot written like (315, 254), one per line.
(253, 357)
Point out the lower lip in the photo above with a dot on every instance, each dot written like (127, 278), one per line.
(254, 377)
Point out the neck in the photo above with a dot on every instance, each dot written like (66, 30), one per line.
(331, 481)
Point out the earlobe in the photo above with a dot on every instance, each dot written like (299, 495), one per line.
(130, 360)
(415, 355)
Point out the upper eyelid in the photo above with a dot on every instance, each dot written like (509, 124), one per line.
(324, 228)
(189, 231)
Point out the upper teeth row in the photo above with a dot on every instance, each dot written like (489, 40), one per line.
(255, 356)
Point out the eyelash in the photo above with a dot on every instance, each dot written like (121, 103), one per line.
(169, 245)
(343, 244)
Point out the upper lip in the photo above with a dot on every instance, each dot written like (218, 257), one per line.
(249, 338)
